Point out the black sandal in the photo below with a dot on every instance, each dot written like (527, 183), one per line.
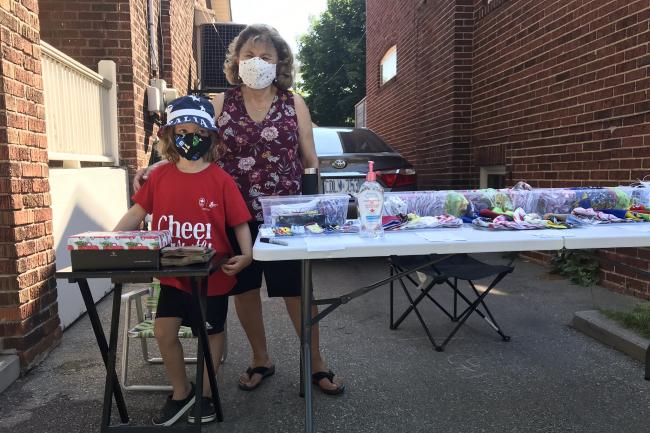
(262, 371)
(329, 375)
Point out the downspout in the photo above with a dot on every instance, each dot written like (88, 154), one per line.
(153, 56)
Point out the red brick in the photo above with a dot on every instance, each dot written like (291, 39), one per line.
(576, 74)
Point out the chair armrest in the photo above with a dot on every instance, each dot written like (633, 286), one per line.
(135, 293)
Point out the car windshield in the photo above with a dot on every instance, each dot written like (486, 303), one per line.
(338, 141)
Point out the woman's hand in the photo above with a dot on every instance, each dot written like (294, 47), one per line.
(142, 175)
(236, 263)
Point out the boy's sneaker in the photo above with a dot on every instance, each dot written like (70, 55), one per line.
(174, 409)
(208, 412)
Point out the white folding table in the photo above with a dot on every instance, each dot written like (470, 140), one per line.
(441, 242)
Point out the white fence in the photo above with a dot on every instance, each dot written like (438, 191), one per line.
(80, 109)
(360, 114)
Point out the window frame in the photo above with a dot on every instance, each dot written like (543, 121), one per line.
(392, 51)
(499, 170)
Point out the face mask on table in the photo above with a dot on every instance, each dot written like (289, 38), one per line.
(257, 73)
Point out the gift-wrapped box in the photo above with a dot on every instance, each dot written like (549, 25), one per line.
(117, 250)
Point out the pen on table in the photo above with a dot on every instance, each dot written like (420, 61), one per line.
(274, 241)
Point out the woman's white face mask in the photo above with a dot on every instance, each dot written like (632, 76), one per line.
(257, 73)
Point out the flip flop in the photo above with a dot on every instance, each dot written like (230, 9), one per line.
(329, 375)
(262, 371)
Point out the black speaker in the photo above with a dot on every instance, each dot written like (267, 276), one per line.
(214, 40)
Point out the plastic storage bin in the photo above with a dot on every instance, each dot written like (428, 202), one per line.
(326, 210)
(426, 203)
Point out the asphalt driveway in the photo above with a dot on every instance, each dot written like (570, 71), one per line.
(548, 378)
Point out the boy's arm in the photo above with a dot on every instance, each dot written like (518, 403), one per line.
(243, 235)
(132, 219)
(237, 263)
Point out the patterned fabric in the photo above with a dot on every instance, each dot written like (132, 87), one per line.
(257, 73)
(144, 329)
(262, 157)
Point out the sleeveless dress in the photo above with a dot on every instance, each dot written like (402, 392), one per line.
(262, 157)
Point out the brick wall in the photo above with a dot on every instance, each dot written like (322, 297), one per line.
(90, 31)
(180, 70)
(424, 111)
(29, 323)
(560, 87)
(560, 98)
(557, 90)
(138, 138)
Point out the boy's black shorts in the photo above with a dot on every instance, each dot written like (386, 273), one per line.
(283, 278)
(173, 302)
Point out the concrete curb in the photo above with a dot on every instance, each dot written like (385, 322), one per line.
(9, 370)
(607, 331)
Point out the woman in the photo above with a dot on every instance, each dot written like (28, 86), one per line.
(267, 134)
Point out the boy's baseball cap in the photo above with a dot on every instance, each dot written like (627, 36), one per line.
(190, 109)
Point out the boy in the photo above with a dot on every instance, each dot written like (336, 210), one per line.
(195, 200)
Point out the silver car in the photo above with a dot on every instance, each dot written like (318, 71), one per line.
(343, 155)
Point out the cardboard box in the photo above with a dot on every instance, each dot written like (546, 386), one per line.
(117, 250)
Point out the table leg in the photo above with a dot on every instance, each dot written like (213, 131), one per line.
(103, 346)
(111, 377)
(204, 353)
(305, 343)
(647, 363)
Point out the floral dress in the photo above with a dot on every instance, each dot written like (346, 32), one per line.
(263, 156)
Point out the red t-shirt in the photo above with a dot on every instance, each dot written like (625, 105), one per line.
(196, 208)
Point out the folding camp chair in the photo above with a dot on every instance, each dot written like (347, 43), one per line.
(144, 330)
(447, 271)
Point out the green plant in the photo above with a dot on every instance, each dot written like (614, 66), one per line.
(580, 266)
(637, 320)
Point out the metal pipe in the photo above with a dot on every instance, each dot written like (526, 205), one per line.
(153, 57)
(305, 344)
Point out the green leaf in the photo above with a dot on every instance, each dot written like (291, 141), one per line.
(333, 62)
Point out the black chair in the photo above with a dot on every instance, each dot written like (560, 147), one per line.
(447, 271)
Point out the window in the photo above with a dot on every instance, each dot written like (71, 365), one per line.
(493, 177)
(330, 141)
(388, 65)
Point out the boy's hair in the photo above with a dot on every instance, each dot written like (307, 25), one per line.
(167, 149)
(262, 33)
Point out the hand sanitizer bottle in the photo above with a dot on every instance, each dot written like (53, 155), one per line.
(370, 202)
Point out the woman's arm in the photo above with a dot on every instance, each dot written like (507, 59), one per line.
(305, 134)
(217, 103)
(132, 218)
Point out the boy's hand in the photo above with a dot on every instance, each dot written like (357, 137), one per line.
(235, 264)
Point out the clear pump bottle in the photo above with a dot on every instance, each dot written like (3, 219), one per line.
(370, 202)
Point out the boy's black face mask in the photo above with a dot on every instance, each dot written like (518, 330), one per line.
(192, 146)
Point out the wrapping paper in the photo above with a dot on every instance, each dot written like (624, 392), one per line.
(125, 240)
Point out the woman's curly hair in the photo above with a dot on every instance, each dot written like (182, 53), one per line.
(263, 33)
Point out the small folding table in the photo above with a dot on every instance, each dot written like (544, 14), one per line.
(198, 275)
